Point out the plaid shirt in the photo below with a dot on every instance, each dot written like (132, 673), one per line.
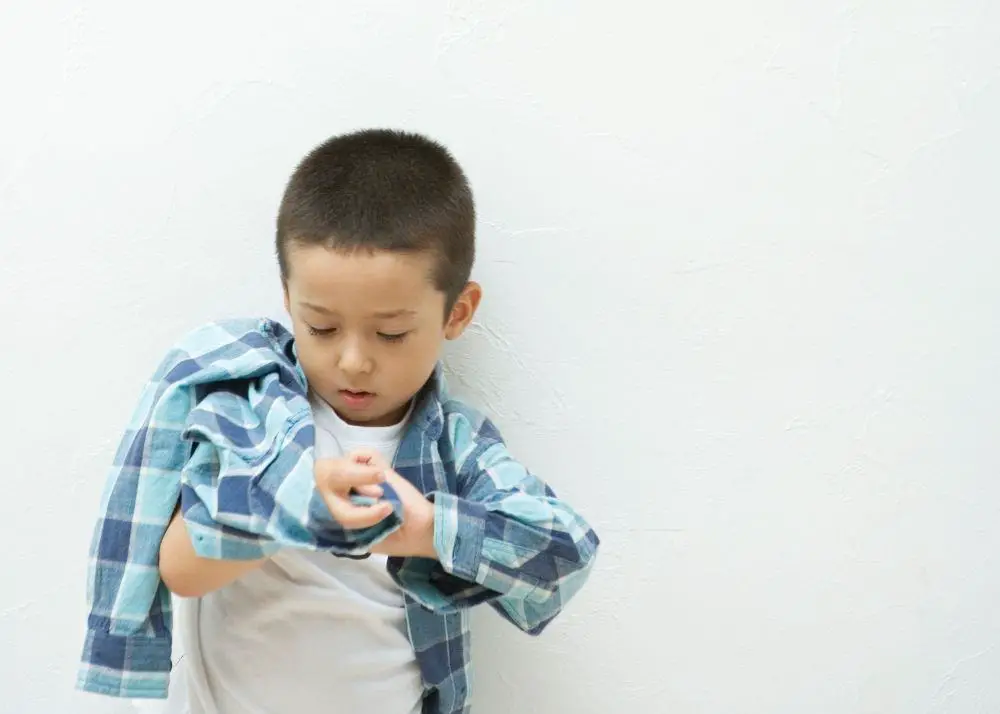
(224, 427)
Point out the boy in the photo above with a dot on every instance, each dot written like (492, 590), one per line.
(375, 243)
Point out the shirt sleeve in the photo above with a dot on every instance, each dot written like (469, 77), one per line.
(218, 427)
(248, 489)
(505, 538)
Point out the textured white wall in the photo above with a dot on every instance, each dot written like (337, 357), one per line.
(740, 262)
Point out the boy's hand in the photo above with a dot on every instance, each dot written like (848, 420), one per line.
(336, 478)
(415, 538)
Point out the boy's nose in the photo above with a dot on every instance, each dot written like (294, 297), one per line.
(353, 360)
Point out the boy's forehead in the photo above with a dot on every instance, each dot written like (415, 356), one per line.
(381, 284)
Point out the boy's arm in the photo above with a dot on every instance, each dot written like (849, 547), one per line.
(502, 538)
(244, 503)
(507, 531)
(185, 573)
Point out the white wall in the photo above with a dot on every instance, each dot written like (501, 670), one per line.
(742, 302)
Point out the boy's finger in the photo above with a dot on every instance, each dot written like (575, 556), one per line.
(342, 476)
(354, 517)
(369, 457)
(398, 482)
(354, 475)
(370, 490)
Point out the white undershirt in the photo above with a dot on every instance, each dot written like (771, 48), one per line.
(306, 631)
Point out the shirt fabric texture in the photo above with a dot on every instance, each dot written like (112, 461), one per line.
(323, 628)
(224, 427)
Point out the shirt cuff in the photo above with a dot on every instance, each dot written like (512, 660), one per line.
(450, 583)
(127, 666)
(459, 529)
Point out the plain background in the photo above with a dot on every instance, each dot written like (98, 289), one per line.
(741, 308)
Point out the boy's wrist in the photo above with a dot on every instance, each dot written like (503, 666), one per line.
(425, 532)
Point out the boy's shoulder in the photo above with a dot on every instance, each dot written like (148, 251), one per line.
(466, 426)
(458, 411)
(233, 347)
(243, 333)
(235, 330)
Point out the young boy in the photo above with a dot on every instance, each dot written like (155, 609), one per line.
(375, 243)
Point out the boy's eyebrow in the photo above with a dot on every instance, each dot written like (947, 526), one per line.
(386, 314)
(395, 313)
(317, 308)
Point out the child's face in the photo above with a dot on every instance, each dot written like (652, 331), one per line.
(369, 327)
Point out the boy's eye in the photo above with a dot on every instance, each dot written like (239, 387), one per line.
(321, 332)
(393, 338)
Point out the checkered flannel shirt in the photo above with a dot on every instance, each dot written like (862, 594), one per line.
(224, 429)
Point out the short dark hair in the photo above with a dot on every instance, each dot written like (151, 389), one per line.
(380, 189)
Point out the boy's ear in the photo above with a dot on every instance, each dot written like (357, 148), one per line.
(284, 294)
(463, 310)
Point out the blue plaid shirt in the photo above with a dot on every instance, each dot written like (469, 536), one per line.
(225, 429)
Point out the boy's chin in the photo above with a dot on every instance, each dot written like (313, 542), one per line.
(371, 414)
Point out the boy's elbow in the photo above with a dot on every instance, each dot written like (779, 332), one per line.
(185, 574)
(177, 560)
(572, 556)
(588, 550)
(180, 586)
(179, 573)
(549, 599)
(192, 576)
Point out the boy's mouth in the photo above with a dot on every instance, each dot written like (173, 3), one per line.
(355, 398)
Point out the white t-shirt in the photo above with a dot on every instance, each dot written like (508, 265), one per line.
(306, 631)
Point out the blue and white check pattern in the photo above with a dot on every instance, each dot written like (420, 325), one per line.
(224, 428)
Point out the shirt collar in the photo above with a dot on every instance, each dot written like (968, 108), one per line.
(429, 412)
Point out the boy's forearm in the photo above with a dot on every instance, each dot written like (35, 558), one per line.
(503, 538)
(510, 533)
(188, 575)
